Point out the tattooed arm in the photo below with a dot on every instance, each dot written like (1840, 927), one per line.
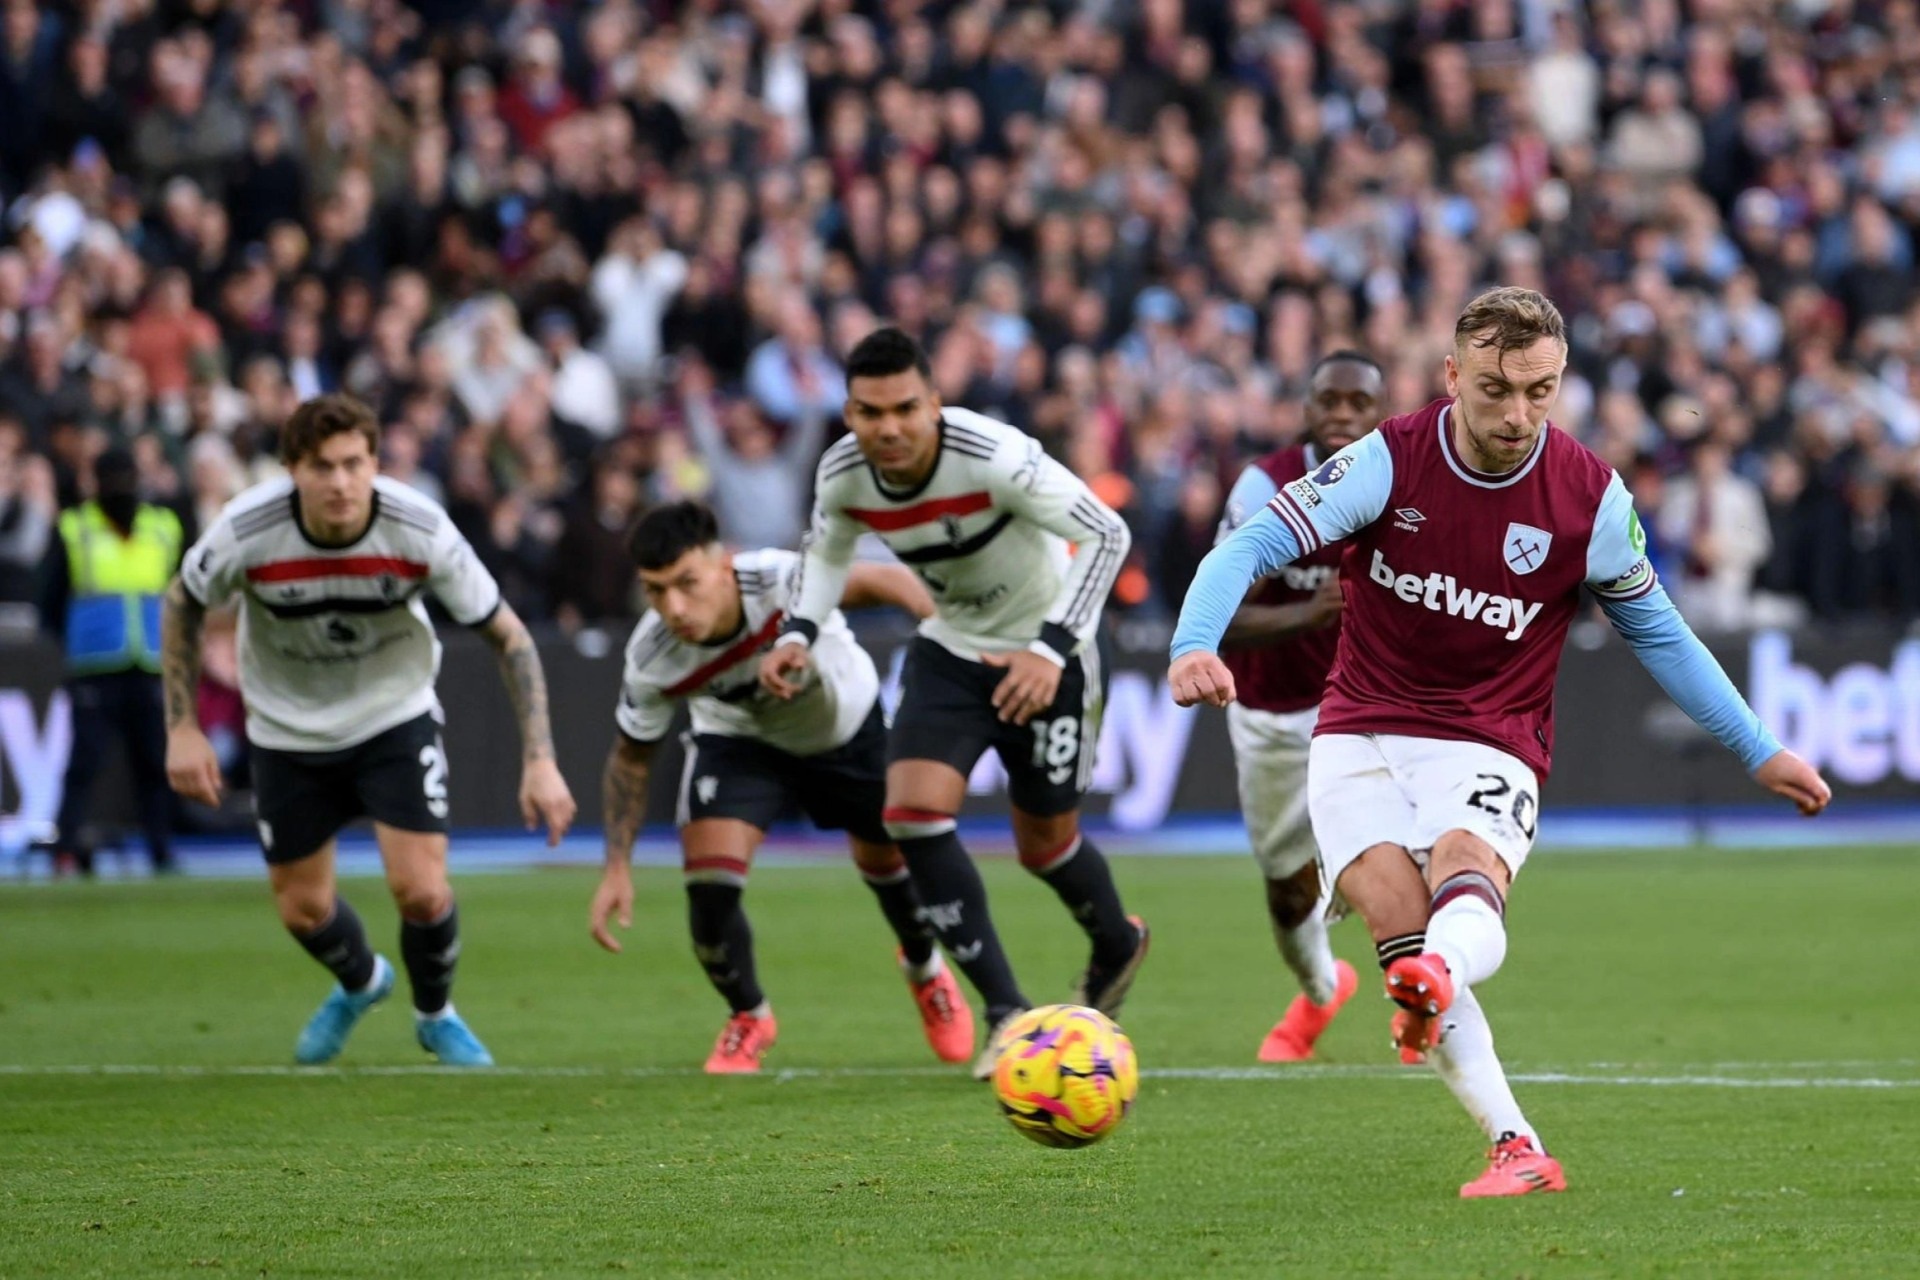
(543, 792)
(623, 802)
(192, 768)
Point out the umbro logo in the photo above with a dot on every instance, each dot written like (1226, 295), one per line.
(1408, 518)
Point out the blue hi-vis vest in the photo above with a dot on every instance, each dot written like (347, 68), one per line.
(113, 614)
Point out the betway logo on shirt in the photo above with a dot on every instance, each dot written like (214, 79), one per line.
(1442, 593)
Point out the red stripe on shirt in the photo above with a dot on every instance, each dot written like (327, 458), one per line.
(736, 653)
(894, 519)
(335, 567)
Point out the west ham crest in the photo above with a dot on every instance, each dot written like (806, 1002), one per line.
(1525, 547)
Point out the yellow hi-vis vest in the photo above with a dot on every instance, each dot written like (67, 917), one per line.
(113, 611)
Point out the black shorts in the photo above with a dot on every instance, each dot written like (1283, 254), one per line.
(303, 798)
(839, 790)
(946, 713)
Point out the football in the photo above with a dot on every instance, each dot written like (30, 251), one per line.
(1067, 1075)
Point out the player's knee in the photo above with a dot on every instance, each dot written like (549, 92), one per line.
(1042, 856)
(1292, 900)
(878, 859)
(904, 823)
(303, 911)
(1462, 852)
(1045, 842)
(422, 899)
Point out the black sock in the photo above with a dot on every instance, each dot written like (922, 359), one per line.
(430, 952)
(341, 945)
(956, 906)
(723, 943)
(900, 904)
(1084, 882)
(1406, 944)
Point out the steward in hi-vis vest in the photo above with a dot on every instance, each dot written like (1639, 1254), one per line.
(110, 566)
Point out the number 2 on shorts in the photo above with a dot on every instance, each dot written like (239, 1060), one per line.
(434, 782)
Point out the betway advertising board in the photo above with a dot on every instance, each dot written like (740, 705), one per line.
(1849, 702)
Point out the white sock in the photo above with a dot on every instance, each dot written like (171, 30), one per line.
(373, 980)
(1465, 1059)
(1304, 947)
(1471, 937)
(761, 1010)
(444, 1012)
(922, 973)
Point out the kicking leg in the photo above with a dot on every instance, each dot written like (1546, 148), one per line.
(416, 864)
(1467, 926)
(716, 853)
(1385, 886)
(331, 932)
(944, 1013)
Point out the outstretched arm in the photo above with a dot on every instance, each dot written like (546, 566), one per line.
(623, 807)
(1619, 573)
(1682, 666)
(1258, 624)
(1346, 493)
(193, 769)
(543, 792)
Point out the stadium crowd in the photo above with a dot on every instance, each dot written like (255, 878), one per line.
(583, 257)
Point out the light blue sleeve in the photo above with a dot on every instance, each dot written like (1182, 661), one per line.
(1619, 573)
(1617, 564)
(1260, 546)
(1252, 491)
(1667, 648)
(1346, 492)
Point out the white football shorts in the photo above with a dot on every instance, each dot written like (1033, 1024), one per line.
(1369, 789)
(1270, 751)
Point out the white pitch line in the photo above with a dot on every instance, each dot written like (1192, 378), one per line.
(1583, 1077)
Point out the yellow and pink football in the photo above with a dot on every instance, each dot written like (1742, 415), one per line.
(1066, 1076)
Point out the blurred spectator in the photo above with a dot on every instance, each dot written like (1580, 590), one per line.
(1127, 227)
(186, 133)
(27, 512)
(1717, 521)
(584, 389)
(169, 331)
(29, 70)
(37, 386)
(759, 482)
(633, 286)
(592, 579)
(790, 375)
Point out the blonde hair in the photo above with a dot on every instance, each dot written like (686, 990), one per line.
(1509, 319)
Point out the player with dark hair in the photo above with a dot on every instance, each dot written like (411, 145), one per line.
(1279, 647)
(1472, 530)
(752, 758)
(1008, 660)
(337, 662)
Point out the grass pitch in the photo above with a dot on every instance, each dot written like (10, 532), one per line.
(1704, 1039)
